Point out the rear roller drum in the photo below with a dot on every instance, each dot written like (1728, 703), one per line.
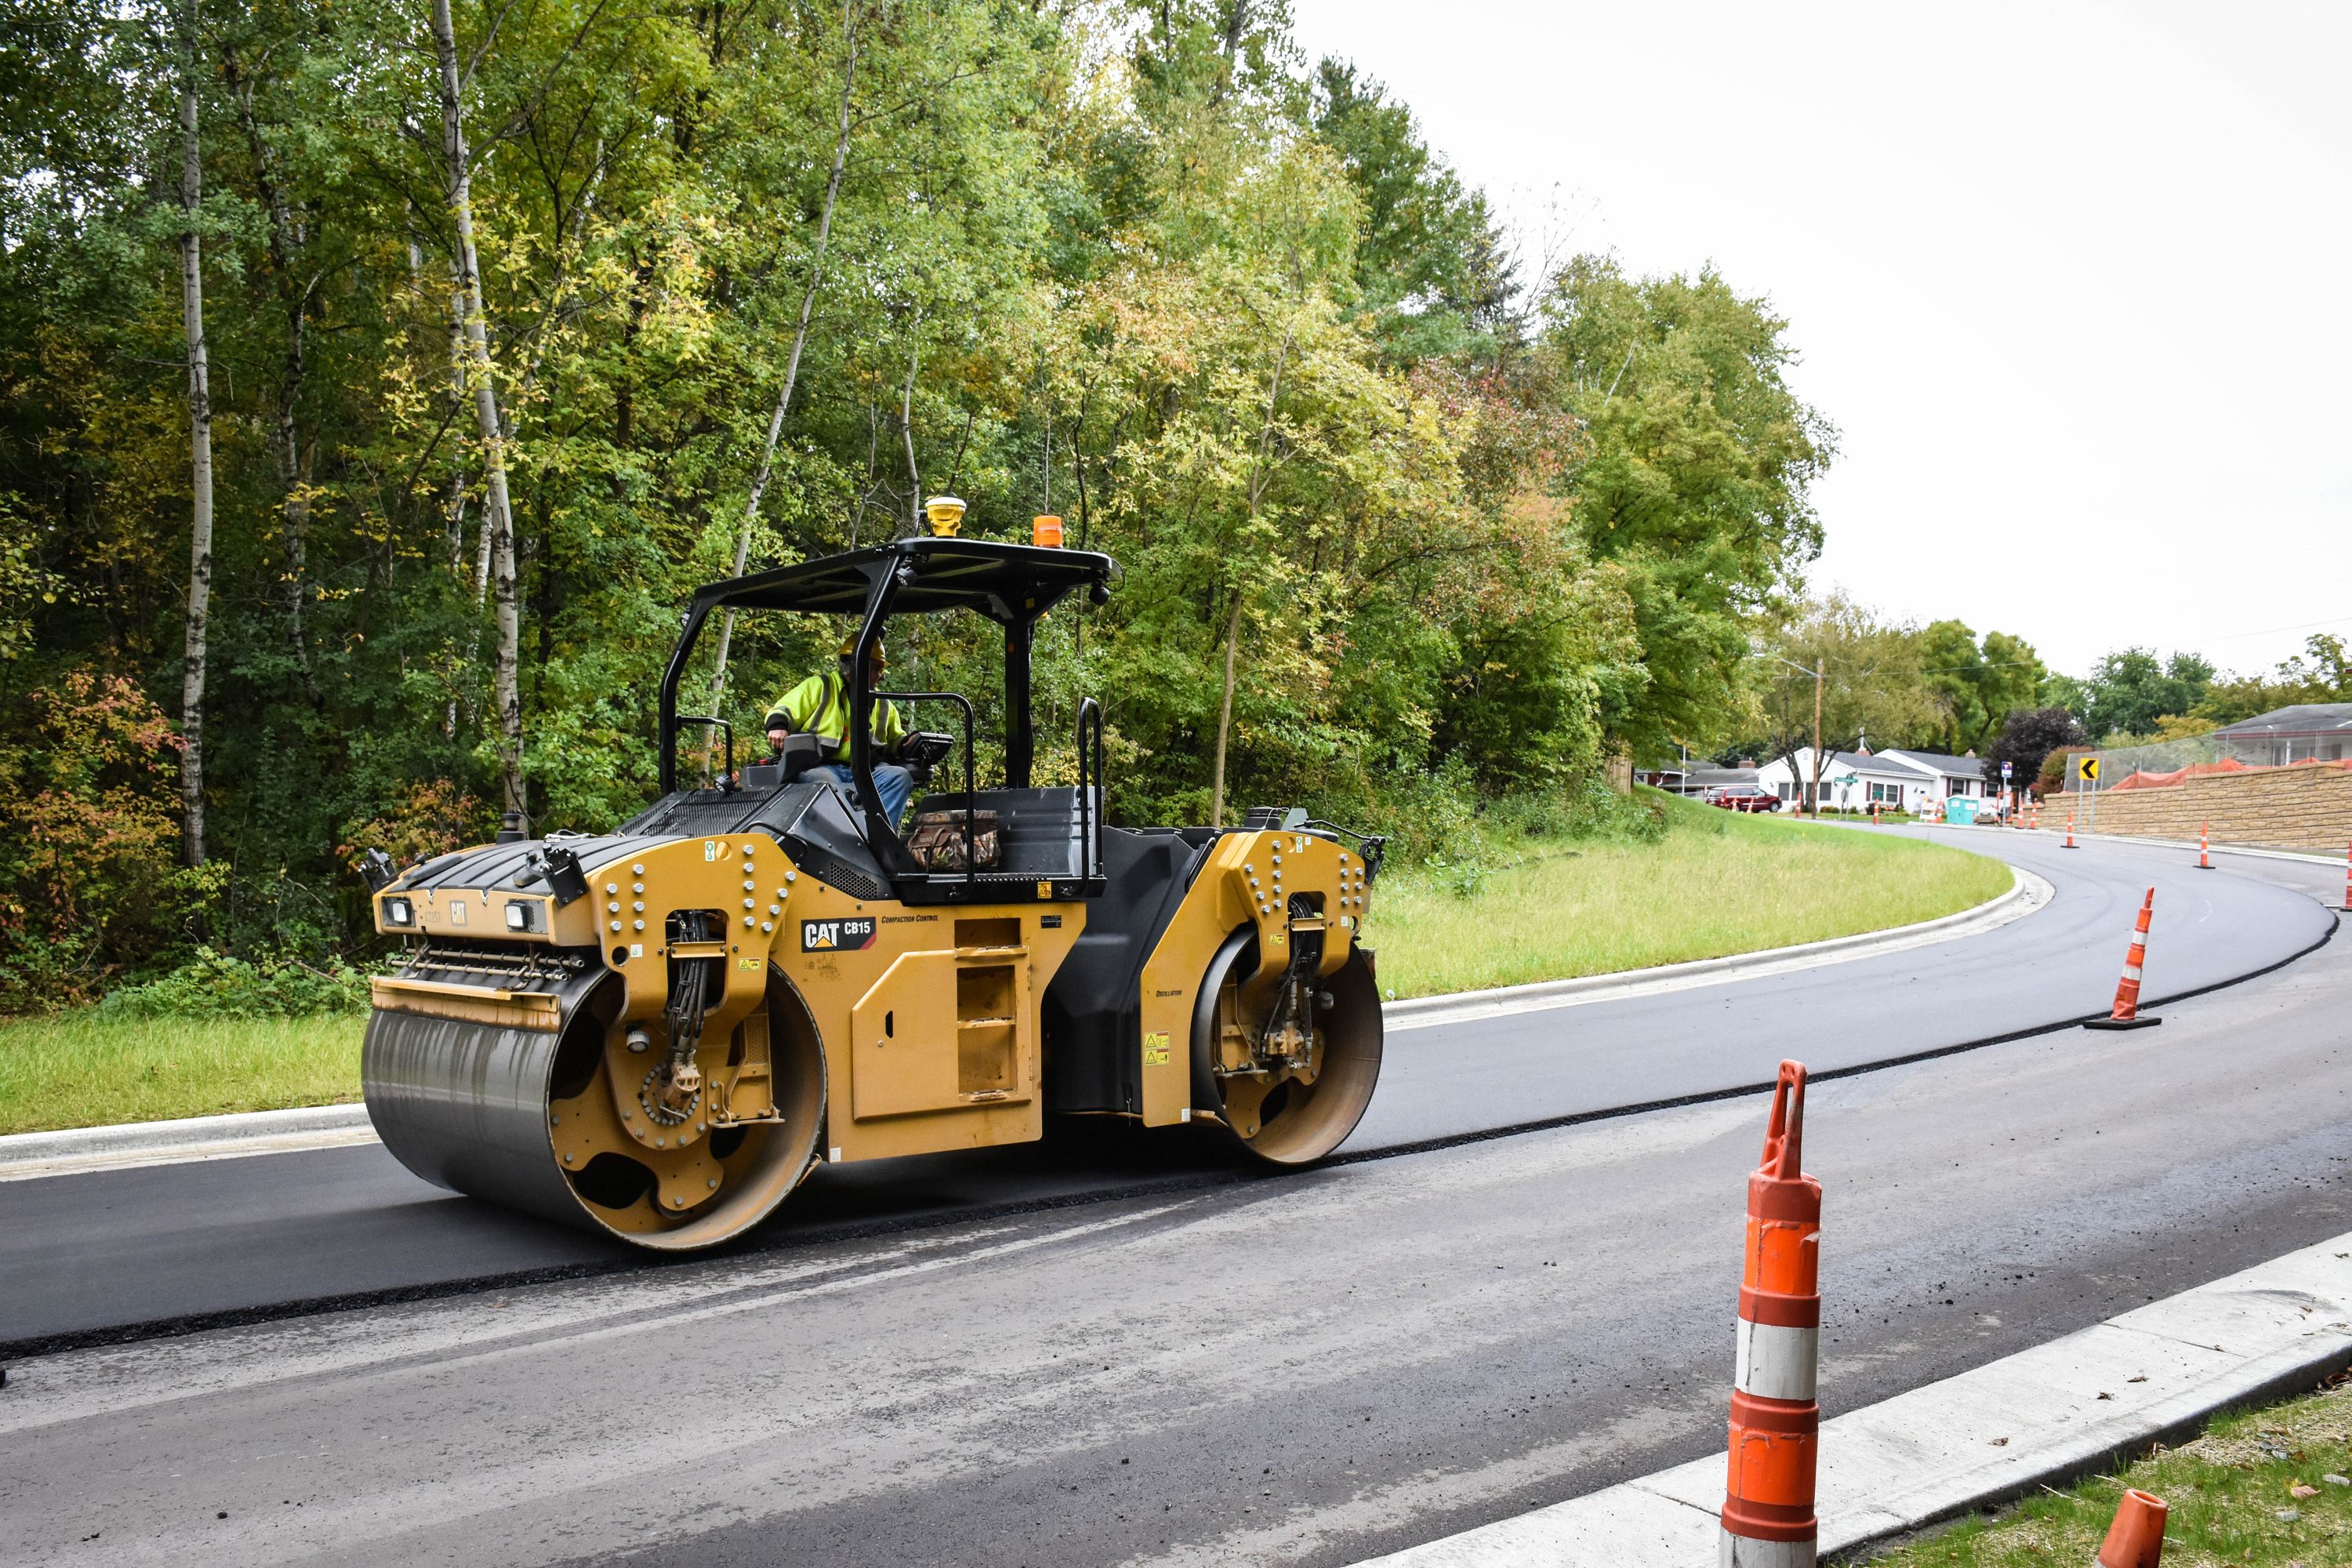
(533, 1119)
(1288, 1062)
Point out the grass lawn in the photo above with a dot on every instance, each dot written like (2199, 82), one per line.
(1714, 883)
(2268, 1488)
(77, 1069)
(1717, 882)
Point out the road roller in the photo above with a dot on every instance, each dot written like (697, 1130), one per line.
(659, 1032)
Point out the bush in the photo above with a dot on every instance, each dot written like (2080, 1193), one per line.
(89, 879)
(214, 985)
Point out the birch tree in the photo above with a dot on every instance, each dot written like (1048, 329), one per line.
(498, 522)
(800, 338)
(200, 454)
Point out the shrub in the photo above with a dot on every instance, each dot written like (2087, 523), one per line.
(89, 875)
(214, 985)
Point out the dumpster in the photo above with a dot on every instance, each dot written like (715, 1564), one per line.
(1960, 811)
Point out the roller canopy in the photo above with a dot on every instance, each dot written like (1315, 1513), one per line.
(1009, 583)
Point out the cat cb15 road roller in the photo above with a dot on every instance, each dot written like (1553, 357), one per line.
(661, 1031)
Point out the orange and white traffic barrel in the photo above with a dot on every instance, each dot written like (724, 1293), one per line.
(1776, 1419)
(2126, 1013)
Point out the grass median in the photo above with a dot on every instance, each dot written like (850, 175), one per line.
(1713, 883)
(2268, 1488)
(82, 1070)
(1695, 883)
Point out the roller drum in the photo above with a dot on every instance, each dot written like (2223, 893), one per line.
(1297, 1120)
(464, 1105)
(474, 1107)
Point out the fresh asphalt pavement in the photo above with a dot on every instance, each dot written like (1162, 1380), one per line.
(136, 1251)
(1310, 1369)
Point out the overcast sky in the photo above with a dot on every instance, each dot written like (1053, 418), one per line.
(2069, 278)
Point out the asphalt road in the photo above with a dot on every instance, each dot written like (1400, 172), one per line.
(136, 1252)
(1305, 1370)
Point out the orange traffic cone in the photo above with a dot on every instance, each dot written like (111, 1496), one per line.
(2070, 832)
(1768, 1503)
(2136, 1540)
(2126, 1014)
(2204, 847)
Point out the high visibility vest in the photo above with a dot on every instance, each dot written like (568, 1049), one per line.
(818, 706)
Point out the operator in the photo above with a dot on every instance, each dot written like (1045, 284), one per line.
(819, 706)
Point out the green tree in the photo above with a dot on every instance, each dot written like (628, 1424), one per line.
(2130, 691)
(1871, 689)
(1977, 686)
(1692, 477)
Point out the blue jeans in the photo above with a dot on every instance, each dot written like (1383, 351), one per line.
(893, 784)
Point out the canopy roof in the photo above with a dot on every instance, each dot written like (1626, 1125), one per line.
(1007, 582)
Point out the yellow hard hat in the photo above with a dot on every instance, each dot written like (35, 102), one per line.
(849, 646)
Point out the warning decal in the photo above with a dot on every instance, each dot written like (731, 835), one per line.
(1155, 1050)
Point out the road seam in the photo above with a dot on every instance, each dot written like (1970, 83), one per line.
(2042, 1416)
(24, 1157)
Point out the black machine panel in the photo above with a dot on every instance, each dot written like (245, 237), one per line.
(1092, 1010)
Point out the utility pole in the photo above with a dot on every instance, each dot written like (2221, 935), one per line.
(1817, 736)
(1816, 674)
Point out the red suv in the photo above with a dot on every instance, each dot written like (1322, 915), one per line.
(1743, 797)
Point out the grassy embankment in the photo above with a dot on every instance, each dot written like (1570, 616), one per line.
(1714, 883)
(1710, 883)
(2253, 1492)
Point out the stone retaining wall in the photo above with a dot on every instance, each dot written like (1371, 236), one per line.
(2307, 807)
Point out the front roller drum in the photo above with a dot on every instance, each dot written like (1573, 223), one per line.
(521, 1113)
(1294, 1106)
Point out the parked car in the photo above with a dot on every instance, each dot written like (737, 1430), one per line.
(1744, 797)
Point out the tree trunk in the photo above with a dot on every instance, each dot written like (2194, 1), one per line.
(498, 515)
(906, 431)
(799, 341)
(294, 459)
(200, 455)
(1225, 709)
(1240, 584)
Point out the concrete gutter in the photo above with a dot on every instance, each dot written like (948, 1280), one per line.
(2027, 893)
(2046, 1415)
(26, 1155)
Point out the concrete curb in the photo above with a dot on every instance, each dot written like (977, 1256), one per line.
(26, 1155)
(2027, 892)
(2041, 1416)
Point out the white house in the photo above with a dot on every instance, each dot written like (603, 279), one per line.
(1954, 776)
(1850, 781)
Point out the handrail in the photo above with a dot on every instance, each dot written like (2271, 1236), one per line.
(970, 837)
(1089, 780)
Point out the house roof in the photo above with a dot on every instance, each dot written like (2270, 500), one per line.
(1716, 778)
(2298, 719)
(1875, 762)
(1941, 763)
